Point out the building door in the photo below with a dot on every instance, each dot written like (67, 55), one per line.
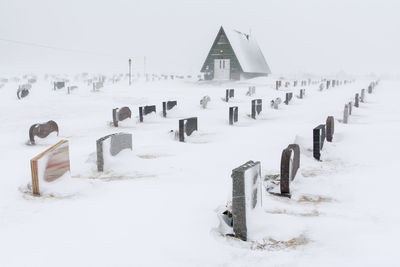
(222, 69)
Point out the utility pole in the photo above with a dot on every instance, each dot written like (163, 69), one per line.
(130, 72)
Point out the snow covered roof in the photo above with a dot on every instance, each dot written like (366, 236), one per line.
(247, 51)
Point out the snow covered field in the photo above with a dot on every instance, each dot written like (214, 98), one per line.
(157, 206)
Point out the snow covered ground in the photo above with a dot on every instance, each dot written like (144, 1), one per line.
(157, 206)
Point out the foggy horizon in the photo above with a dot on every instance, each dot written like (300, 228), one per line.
(355, 37)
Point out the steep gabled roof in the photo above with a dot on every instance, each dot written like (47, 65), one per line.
(247, 51)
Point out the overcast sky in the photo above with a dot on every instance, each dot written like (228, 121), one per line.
(320, 36)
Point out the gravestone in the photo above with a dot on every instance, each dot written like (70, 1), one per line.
(328, 83)
(229, 93)
(362, 98)
(42, 130)
(286, 167)
(346, 113)
(277, 85)
(117, 143)
(350, 107)
(356, 99)
(187, 126)
(290, 163)
(296, 159)
(97, 86)
(233, 115)
(120, 114)
(333, 83)
(256, 107)
(302, 93)
(168, 106)
(70, 88)
(246, 197)
(318, 140)
(330, 128)
(251, 91)
(370, 89)
(50, 165)
(204, 101)
(294, 83)
(275, 103)
(288, 98)
(59, 85)
(22, 92)
(143, 111)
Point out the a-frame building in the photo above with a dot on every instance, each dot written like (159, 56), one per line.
(233, 56)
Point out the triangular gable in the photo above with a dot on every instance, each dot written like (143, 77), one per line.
(221, 36)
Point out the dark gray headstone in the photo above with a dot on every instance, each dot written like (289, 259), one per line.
(59, 85)
(356, 99)
(330, 128)
(233, 115)
(318, 140)
(143, 111)
(21, 93)
(187, 126)
(168, 105)
(118, 142)
(229, 93)
(350, 109)
(286, 168)
(289, 97)
(246, 196)
(256, 107)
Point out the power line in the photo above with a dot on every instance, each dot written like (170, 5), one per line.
(59, 48)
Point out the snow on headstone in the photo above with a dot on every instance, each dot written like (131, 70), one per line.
(187, 127)
(246, 198)
(145, 110)
(168, 105)
(110, 146)
(256, 108)
(233, 115)
(49, 166)
(120, 114)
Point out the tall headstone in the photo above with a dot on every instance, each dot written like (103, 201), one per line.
(356, 100)
(246, 197)
(346, 114)
(288, 98)
(229, 93)
(350, 107)
(330, 128)
(318, 140)
(362, 98)
(256, 107)
(233, 115)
